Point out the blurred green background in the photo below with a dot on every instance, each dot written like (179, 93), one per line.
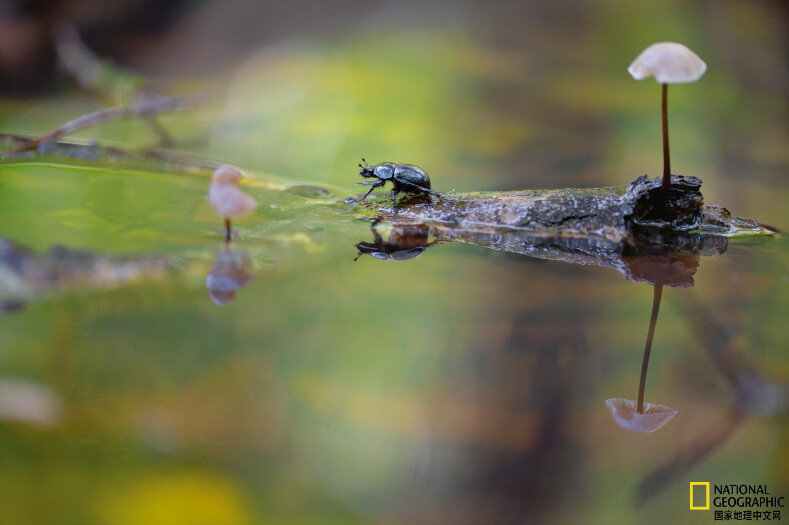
(465, 386)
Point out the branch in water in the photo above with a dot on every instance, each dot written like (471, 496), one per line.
(147, 108)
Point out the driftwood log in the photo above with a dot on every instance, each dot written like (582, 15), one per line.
(632, 230)
(604, 214)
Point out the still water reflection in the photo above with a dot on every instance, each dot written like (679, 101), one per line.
(449, 407)
(461, 378)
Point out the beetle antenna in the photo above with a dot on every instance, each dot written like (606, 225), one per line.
(365, 162)
(360, 165)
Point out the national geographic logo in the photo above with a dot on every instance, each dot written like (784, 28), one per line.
(699, 495)
(747, 502)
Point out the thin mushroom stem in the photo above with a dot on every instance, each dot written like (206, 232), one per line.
(658, 293)
(228, 231)
(666, 156)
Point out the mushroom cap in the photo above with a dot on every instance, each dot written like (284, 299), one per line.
(226, 175)
(626, 415)
(229, 202)
(669, 63)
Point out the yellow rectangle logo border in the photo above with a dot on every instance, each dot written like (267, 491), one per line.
(707, 502)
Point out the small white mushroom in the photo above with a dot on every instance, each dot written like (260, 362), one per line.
(225, 197)
(669, 63)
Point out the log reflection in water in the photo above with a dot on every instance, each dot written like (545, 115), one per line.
(25, 275)
(661, 260)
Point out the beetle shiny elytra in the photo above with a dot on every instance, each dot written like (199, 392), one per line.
(405, 178)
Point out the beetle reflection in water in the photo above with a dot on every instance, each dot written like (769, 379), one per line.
(405, 242)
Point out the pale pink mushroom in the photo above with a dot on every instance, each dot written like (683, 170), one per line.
(669, 63)
(225, 197)
(651, 418)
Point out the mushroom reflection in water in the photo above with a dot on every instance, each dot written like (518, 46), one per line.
(405, 242)
(651, 417)
(225, 197)
(638, 416)
(228, 275)
(669, 63)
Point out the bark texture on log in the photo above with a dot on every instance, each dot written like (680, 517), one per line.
(609, 214)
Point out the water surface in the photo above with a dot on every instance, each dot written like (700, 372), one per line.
(465, 385)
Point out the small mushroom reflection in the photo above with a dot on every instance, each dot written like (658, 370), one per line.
(753, 395)
(637, 416)
(649, 418)
(228, 275)
(405, 242)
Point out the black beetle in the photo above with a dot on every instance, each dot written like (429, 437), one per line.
(406, 178)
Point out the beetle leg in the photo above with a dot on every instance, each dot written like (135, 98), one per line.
(431, 192)
(374, 184)
(368, 192)
(394, 203)
(423, 189)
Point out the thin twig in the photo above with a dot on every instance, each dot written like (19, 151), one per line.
(147, 108)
